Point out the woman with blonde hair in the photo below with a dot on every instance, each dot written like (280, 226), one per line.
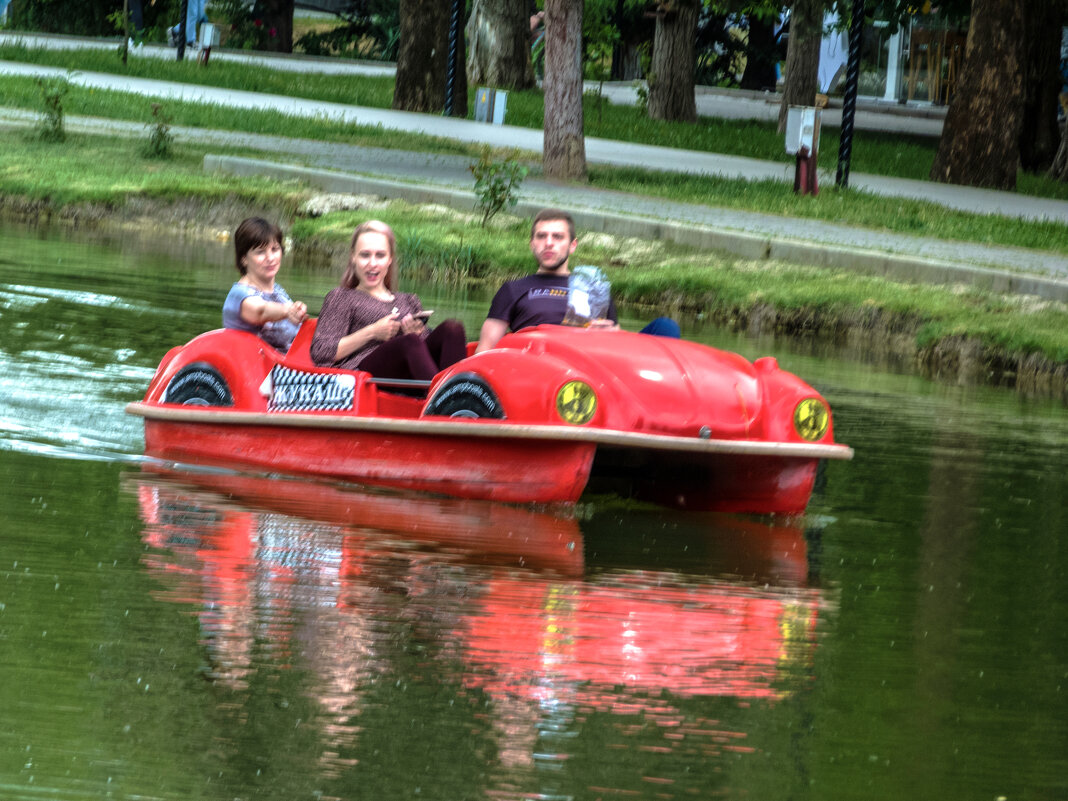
(366, 324)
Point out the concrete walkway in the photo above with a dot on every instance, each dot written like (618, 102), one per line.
(420, 176)
(598, 151)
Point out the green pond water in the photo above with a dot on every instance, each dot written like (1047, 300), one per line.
(184, 634)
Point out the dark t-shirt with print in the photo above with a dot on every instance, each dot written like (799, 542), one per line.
(534, 300)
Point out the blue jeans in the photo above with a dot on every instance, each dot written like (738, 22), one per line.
(194, 14)
(662, 327)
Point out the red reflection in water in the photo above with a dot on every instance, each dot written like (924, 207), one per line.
(267, 564)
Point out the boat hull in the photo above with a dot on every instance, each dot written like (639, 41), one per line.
(540, 471)
(681, 424)
(708, 482)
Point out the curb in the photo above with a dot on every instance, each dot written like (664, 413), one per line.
(748, 246)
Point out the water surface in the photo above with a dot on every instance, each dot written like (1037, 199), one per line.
(205, 635)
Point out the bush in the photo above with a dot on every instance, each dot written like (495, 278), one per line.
(496, 183)
(86, 17)
(50, 125)
(160, 138)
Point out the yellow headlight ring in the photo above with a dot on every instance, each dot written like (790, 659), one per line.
(812, 418)
(576, 403)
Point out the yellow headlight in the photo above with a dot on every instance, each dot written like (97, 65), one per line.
(811, 418)
(576, 403)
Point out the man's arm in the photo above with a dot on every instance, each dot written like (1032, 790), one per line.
(492, 331)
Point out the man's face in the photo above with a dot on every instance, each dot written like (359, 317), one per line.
(552, 245)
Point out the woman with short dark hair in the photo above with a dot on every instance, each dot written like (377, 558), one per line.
(255, 302)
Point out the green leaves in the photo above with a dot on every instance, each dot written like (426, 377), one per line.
(497, 182)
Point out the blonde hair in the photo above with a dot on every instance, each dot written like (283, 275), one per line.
(350, 280)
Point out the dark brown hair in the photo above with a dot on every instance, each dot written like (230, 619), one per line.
(554, 214)
(350, 280)
(255, 232)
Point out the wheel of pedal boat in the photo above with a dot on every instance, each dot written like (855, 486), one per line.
(465, 395)
(198, 384)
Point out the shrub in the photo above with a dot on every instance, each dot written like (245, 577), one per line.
(497, 183)
(50, 125)
(160, 138)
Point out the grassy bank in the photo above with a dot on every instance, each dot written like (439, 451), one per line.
(876, 153)
(110, 181)
(897, 215)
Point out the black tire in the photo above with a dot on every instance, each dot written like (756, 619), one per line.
(198, 384)
(465, 395)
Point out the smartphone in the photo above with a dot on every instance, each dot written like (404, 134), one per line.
(423, 314)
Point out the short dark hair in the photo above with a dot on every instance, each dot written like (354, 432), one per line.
(554, 214)
(255, 232)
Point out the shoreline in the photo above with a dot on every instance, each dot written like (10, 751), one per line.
(890, 337)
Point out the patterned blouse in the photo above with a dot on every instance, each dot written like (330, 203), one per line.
(347, 310)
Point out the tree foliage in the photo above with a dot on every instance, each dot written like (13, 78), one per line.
(85, 17)
(370, 30)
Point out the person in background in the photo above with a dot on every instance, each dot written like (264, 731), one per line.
(366, 324)
(255, 302)
(541, 298)
(194, 15)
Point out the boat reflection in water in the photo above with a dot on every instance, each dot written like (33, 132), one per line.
(507, 604)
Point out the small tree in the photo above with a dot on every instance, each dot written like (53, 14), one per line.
(50, 125)
(160, 138)
(497, 183)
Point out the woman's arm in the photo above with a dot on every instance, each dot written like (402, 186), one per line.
(342, 330)
(257, 311)
(380, 330)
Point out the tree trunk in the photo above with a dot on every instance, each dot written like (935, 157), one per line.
(564, 150)
(1059, 168)
(498, 50)
(759, 56)
(423, 59)
(802, 57)
(980, 144)
(671, 91)
(277, 16)
(1039, 133)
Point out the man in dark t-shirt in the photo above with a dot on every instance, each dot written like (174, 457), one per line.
(541, 297)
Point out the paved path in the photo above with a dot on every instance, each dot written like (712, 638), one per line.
(598, 151)
(750, 233)
(874, 115)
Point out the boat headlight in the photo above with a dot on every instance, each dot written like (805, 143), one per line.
(811, 419)
(576, 403)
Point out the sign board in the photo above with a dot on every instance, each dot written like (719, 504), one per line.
(209, 35)
(490, 105)
(802, 129)
(302, 391)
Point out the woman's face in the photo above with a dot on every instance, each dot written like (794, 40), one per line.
(262, 263)
(371, 258)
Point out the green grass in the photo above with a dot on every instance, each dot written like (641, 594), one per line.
(24, 93)
(678, 279)
(451, 248)
(854, 207)
(91, 169)
(895, 155)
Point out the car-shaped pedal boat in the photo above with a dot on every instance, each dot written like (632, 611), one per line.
(530, 421)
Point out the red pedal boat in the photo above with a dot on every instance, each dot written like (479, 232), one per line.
(528, 422)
